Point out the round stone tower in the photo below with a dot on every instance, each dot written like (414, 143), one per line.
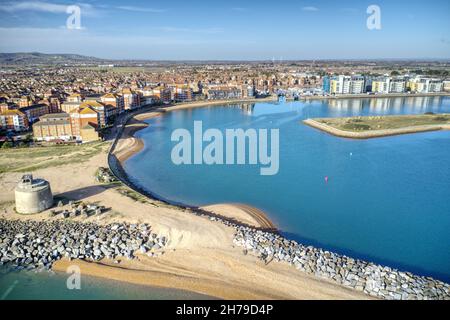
(33, 195)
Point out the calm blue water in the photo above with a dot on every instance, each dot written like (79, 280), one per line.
(29, 285)
(387, 199)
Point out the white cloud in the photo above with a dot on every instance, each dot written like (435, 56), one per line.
(85, 42)
(33, 6)
(41, 6)
(310, 8)
(140, 9)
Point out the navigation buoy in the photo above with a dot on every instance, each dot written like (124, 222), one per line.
(326, 179)
(351, 153)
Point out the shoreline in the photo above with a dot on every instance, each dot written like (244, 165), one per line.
(126, 145)
(375, 133)
(214, 256)
(242, 213)
(352, 281)
(374, 96)
(209, 264)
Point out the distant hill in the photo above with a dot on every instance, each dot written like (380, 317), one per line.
(44, 58)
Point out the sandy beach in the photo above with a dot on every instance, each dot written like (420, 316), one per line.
(243, 213)
(200, 255)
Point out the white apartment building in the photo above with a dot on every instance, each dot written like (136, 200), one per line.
(357, 85)
(381, 85)
(397, 86)
(347, 85)
(425, 85)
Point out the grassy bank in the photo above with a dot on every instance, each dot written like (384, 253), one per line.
(380, 126)
(30, 159)
(358, 124)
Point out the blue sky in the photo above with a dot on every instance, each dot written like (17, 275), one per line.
(247, 30)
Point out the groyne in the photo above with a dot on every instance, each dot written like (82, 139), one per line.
(33, 244)
(373, 279)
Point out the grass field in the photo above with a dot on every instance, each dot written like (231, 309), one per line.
(30, 159)
(361, 124)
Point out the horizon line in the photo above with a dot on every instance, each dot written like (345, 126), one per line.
(275, 61)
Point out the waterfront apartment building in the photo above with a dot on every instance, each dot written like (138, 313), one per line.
(381, 85)
(14, 120)
(347, 85)
(435, 85)
(130, 99)
(446, 86)
(397, 86)
(340, 85)
(113, 100)
(181, 93)
(248, 91)
(65, 127)
(166, 95)
(326, 84)
(357, 85)
(223, 92)
(425, 85)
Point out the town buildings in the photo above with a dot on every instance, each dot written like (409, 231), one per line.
(62, 126)
(14, 120)
(425, 85)
(93, 98)
(223, 93)
(34, 111)
(131, 100)
(347, 85)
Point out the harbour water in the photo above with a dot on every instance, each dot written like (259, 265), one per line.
(386, 199)
(31, 285)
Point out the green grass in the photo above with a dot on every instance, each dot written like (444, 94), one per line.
(132, 194)
(360, 124)
(30, 159)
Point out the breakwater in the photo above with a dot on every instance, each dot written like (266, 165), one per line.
(375, 280)
(38, 244)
